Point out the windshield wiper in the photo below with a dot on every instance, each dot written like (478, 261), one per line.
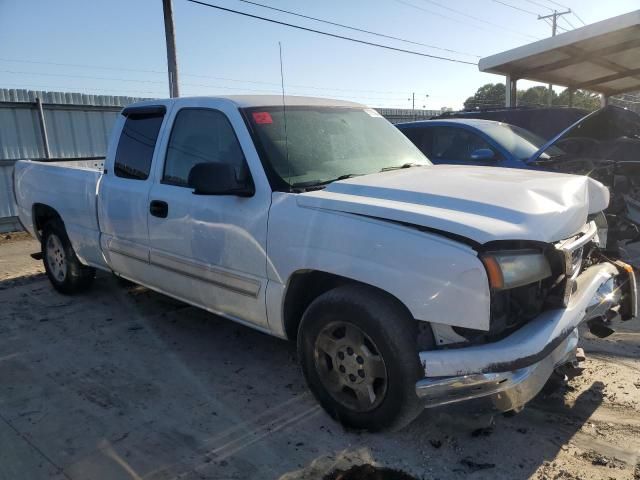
(317, 184)
(404, 165)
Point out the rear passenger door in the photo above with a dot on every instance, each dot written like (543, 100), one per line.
(124, 191)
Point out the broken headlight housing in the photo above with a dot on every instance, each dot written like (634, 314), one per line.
(515, 268)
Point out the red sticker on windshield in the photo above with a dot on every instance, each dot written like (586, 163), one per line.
(262, 118)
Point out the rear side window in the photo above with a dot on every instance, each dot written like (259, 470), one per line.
(421, 138)
(199, 136)
(136, 145)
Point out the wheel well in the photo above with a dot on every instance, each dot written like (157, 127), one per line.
(43, 214)
(304, 287)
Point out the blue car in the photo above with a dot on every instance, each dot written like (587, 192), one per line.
(604, 145)
(475, 142)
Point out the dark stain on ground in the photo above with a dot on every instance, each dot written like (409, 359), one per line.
(368, 472)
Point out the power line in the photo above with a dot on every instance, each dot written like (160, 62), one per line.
(161, 93)
(479, 19)
(566, 8)
(81, 66)
(533, 2)
(568, 22)
(515, 8)
(357, 29)
(258, 82)
(581, 21)
(91, 77)
(431, 12)
(558, 4)
(53, 87)
(341, 37)
(222, 87)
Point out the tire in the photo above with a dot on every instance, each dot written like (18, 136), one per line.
(382, 358)
(65, 272)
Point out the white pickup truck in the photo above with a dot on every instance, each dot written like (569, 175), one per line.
(405, 284)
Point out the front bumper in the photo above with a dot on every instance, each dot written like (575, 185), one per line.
(513, 370)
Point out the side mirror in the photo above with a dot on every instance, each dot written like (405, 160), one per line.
(483, 154)
(212, 178)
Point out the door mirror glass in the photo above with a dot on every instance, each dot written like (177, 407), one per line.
(483, 154)
(211, 178)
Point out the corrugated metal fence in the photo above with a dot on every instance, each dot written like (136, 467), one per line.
(399, 115)
(77, 126)
(38, 125)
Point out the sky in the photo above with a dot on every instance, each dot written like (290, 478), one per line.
(117, 47)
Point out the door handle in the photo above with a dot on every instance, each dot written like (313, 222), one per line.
(158, 208)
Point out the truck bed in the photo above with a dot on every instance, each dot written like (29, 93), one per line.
(70, 189)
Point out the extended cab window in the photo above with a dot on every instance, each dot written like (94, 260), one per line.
(136, 145)
(199, 136)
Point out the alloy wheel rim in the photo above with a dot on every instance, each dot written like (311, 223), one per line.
(56, 258)
(350, 366)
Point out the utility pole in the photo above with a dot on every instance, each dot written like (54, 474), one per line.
(413, 104)
(172, 59)
(554, 26)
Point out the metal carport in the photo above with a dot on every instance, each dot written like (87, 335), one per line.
(603, 57)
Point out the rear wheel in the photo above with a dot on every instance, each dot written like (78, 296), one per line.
(65, 272)
(359, 356)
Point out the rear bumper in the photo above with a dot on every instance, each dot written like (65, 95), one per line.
(512, 371)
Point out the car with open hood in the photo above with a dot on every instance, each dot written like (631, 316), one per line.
(604, 145)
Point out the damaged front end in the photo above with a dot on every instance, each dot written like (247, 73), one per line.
(534, 327)
(604, 145)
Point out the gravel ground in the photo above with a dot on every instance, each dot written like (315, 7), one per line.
(126, 383)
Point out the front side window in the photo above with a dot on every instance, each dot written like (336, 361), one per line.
(200, 136)
(136, 145)
(455, 144)
(305, 146)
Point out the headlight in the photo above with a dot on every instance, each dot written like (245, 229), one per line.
(510, 269)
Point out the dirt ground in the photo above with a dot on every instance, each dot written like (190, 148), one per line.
(123, 383)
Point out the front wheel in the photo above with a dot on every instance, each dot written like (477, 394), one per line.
(65, 272)
(359, 356)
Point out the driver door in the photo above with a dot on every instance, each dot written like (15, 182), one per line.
(209, 250)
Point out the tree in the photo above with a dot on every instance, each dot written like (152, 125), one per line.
(581, 99)
(491, 95)
(536, 97)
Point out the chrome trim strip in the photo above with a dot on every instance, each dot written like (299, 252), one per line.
(587, 236)
(127, 249)
(207, 308)
(567, 247)
(241, 284)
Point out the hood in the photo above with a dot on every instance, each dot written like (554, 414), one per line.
(479, 203)
(607, 124)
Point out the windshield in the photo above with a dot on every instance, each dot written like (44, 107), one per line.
(322, 144)
(520, 142)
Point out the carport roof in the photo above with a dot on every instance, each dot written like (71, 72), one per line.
(602, 57)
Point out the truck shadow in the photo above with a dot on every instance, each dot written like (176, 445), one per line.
(269, 415)
(123, 379)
